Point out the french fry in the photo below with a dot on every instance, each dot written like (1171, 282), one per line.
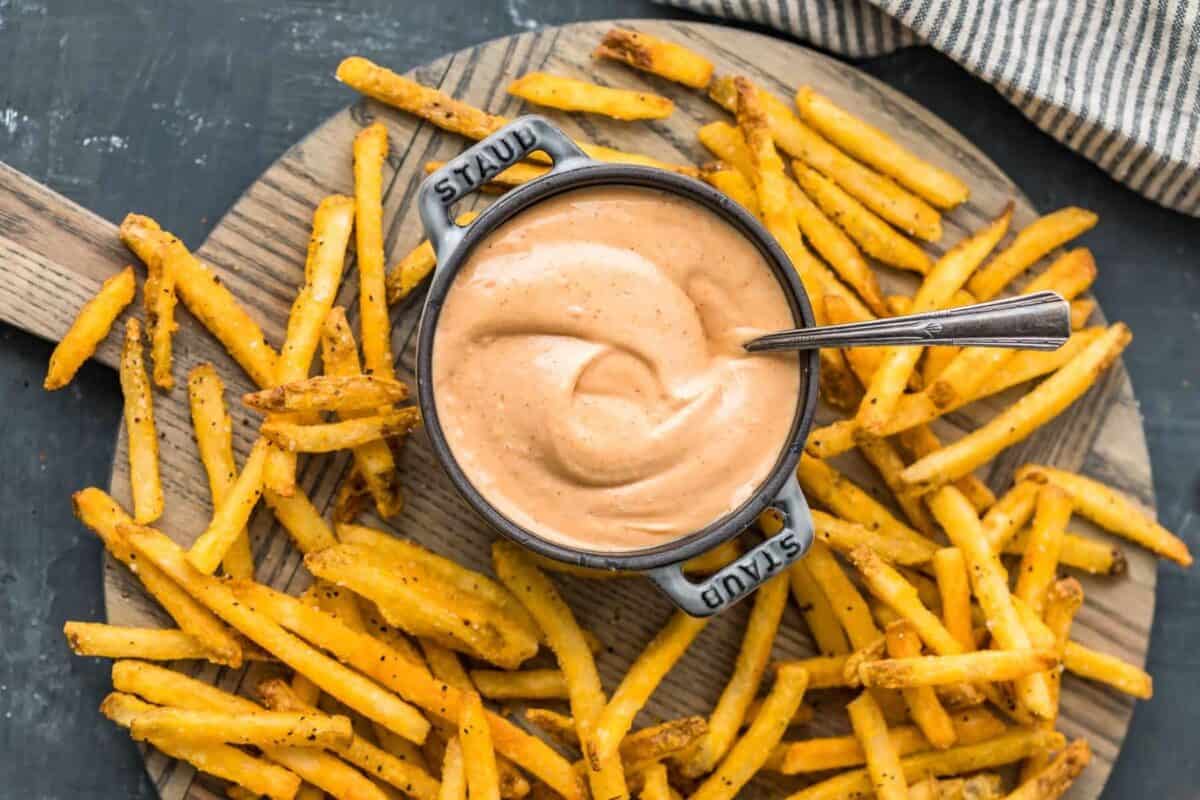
(231, 514)
(370, 155)
(445, 665)
(144, 479)
(572, 94)
(301, 519)
(530, 684)
(1105, 668)
(373, 460)
(166, 687)
(1078, 551)
(1042, 404)
(839, 494)
(718, 558)
(893, 589)
(1030, 245)
(1081, 311)
(330, 393)
(837, 249)
(104, 516)
(1040, 561)
(920, 441)
(848, 604)
(206, 297)
(876, 149)
(899, 304)
(89, 329)
(454, 776)
(880, 194)
(984, 786)
(654, 783)
(923, 704)
(978, 666)
(113, 641)
(1010, 513)
(656, 56)
(255, 774)
(937, 289)
(955, 589)
(749, 753)
(640, 681)
(886, 460)
(351, 497)
(355, 691)
(844, 536)
(1058, 775)
(727, 143)
(641, 746)
(883, 762)
(296, 437)
(871, 652)
(1112, 511)
(876, 238)
(824, 672)
(372, 760)
(214, 439)
(990, 585)
(405, 675)
(1063, 601)
(332, 223)
(563, 634)
(264, 728)
(804, 714)
(1003, 749)
(410, 271)
(159, 300)
(818, 612)
(479, 757)
(971, 726)
(732, 184)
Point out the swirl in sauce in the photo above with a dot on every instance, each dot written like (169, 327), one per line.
(589, 373)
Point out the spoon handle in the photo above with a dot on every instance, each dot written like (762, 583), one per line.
(1038, 321)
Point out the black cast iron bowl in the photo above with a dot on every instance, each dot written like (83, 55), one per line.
(573, 170)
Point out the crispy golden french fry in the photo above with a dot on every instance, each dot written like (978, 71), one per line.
(454, 776)
(886, 460)
(1042, 404)
(848, 604)
(572, 94)
(153, 644)
(205, 296)
(1063, 600)
(835, 491)
(920, 441)
(1105, 668)
(144, 479)
(656, 56)
(565, 637)
(214, 438)
(232, 513)
(372, 760)
(159, 300)
(844, 536)
(408, 273)
(296, 437)
(330, 393)
(733, 184)
(334, 679)
(264, 728)
(880, 194)
(937, 289)
(883, 762)
(818, 612)
(877, 239)
(415, 599)
(990, 585)
(647, 744)
(1004, 749)
(406, 676)
(804, 714)
(727, 143)
(1031, 244)
(301, 519)
(875, 148)
(640, 681)
(1010, 513)
(351, 497)
(370, 155)
(899, 304)
(103, 515)
(1078, 551)
(891, 587)
(445, 665)
(90, 327)
(255, 774)
(978, 666)
(749, 753)
(654, 783)
(1112, 511)
(479, 757)
(529, 684)
(1040, 560)
(954, 587)
(1081, 311)
(971, 726)
(984, 786)
(1051, 782)
(824, 672)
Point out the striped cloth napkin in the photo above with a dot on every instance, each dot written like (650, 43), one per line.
(1115, 80)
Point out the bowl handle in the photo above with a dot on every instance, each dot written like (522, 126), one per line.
(733, 582)
(480, 163)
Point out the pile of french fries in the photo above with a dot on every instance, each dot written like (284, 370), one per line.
(358, 688)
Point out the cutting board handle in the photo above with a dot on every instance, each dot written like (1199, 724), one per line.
(54, 255)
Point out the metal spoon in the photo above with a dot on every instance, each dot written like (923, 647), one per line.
(1038, 321)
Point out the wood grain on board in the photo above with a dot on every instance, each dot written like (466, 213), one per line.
(55, 255)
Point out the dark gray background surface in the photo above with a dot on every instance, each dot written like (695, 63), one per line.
(173, 108)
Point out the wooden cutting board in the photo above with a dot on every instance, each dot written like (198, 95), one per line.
(53, 255)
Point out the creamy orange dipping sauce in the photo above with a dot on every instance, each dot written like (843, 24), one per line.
(589, 373)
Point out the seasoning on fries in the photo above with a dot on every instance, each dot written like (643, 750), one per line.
(657, 56)
(571, 94)
(89, 329)
(1031, 244)
(144, 480)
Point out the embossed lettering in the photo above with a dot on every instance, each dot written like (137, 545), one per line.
(487, 168)
(711, 597)
(445, 190)
(750, 569)
(463, 171)
(790, 546)
(525, 137)
(733, 585)
(773, 563)
(505, 157)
